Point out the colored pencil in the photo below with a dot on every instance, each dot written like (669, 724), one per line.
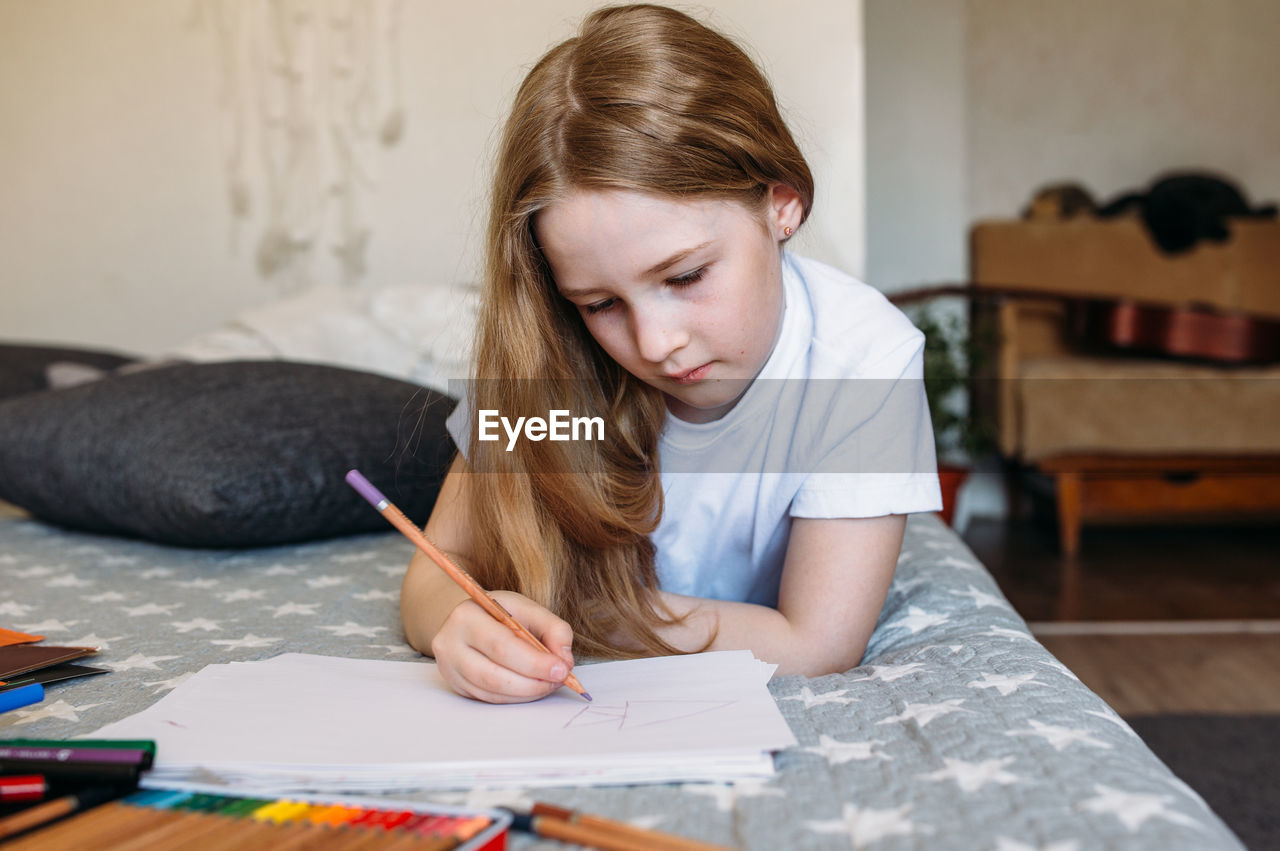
(406, 526)
(654, 838)
(42, 814)
(159, 819)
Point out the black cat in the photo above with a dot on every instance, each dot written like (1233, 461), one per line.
(1181, 209)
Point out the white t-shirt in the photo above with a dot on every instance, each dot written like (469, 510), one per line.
(835, 425)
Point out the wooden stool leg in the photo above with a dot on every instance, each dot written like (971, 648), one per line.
(1068, 486)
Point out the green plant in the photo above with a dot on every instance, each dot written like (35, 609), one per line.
(952, 359)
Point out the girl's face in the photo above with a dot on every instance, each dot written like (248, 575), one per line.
(685, 294)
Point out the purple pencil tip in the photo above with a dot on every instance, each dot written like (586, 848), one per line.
(587, 696)
(366, 489)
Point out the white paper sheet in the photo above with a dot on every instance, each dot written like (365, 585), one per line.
(315, 722)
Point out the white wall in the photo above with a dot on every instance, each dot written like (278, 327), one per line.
(114, 220)
(973, 104)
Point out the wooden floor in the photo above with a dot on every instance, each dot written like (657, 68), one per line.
(1208, 597)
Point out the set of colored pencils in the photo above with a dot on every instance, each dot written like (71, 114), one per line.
(156, 819)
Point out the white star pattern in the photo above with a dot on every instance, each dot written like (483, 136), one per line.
(156, 573)
(923, 713)
(392, 569)
(348, 558)
(1004, 843)
(94, 640)
(203, 584)
(118, 561)
(294, 609)
(203, 624)
(1005, 632)
(958, 563)
(59, 709)
(166, 685)
(249, 641)
(980, 598)
(327, 581)
(1059, 737)
(918, 619)
(889, 673)
(281, 570)
(868, 825)
(69, 580)
(1134, 808)
(14, 609)
(972, 776)
(838, 753)
(34, 572)
(811, 700)
(395, 648)
(240, 595)
(352, 628)
(48, 626)
(104, 597)
(376, 595)
(150, 609)
(138, 660)
(1006, 685)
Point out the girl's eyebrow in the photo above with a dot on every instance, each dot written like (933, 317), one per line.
(676, 258)
(660, 267)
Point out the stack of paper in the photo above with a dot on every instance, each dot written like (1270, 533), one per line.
(300, 722)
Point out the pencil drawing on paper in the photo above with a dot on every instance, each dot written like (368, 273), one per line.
(642, 713)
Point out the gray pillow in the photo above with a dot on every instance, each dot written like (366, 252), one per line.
(233, 454)
(25, 369)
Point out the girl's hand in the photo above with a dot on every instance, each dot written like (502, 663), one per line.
(483, 659)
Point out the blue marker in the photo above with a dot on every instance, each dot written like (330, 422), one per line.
(15, 698)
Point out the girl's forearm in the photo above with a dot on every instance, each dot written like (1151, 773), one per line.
(427, 596)
(764, 631)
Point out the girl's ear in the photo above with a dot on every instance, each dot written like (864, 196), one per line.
(785, 210)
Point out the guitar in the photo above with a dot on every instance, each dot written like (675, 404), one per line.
(1193, 331)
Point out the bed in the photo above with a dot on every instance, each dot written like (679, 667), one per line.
(958, 730)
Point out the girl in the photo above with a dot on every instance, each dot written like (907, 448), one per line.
(646, 186)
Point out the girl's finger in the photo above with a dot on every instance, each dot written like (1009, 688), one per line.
(502, 646)
(475, 675)
(554, 632)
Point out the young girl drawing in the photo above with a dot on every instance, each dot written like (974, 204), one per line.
(645, 189)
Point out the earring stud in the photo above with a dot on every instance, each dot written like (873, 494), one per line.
(786, 231)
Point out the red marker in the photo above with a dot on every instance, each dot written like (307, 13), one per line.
(22, 787)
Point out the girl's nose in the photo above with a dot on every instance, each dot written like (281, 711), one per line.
(657, 333)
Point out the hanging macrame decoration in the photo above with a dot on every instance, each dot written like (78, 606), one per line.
(311, 92)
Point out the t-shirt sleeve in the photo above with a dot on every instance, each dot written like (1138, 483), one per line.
(872, 449)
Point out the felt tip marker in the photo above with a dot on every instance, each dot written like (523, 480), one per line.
(396, 517)
(15, 698)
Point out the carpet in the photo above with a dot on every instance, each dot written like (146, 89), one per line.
(1231, 761)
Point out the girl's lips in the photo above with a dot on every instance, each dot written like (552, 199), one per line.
(692, 376)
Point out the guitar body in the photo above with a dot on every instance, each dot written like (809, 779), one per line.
(1188, 331)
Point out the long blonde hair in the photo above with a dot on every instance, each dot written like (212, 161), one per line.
(644, 98)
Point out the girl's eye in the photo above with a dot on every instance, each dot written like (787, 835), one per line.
(599, 306)
(688, 277)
